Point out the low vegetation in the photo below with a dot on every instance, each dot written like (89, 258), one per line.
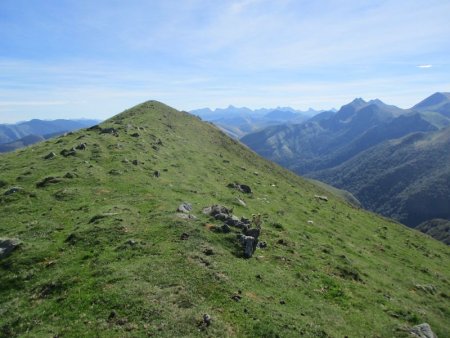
(98, 248)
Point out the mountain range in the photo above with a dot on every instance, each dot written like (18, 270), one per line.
(238, 122)
(395, 161)
(14, 136)
(155, 223)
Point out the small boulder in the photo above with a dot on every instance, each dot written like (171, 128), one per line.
(12, 190)
(135, 135)
(112, 131)
(7, 246)
(49, 156)
(241, 202)
(321, 198)
(216, 209)
(221, 216)
(225, 228)
(156, 173)
(207, 319)
(423, 331)
(48, 180)
(68, 152)
(253, 232)
(135, 162)
(70, 175)
(184, 236)
(249, 244)
(81, 146)
(186, 216)
(185, 207)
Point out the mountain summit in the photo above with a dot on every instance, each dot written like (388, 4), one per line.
(141, 226)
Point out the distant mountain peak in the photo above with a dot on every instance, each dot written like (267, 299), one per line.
(358, 101)
(433, 100)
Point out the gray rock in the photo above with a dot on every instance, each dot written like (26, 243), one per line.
(207, 319)
(8, 245)
(221, 216)
(12, 190)
(81, 146)
(249, 244)
(156, 173)
(186, 216)
(112, 131)
(216, 209)
(241, 202)
(68, 152)
(49, 156)
(321, 198)
(423, 331)
(48, 180)
(254, 232)
(241, 187)
(225, 228)
(185, 207)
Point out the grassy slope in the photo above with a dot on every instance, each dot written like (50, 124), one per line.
(349, 273)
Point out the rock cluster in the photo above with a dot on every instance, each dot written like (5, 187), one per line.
(249, 236)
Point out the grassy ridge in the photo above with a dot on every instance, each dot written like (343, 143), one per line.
(102, 252)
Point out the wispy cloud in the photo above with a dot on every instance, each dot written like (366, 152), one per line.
(424, 66)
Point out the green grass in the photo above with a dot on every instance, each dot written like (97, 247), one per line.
(128, 273)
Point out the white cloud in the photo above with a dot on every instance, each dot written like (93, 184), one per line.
(424, 66)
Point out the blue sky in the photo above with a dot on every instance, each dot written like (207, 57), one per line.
(93, 59)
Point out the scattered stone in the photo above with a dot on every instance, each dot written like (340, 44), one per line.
(185, 207)
(125, 160)
(310, 222)
(7, 246)
(135, 135)
(49, 156)
(262, 245)
(135, 162)
(101, 216)
(81, 146)
(13, 190)
(241, 187)
(71, 239)
(221, 216)
(112, 131)
(48, 180)
(68, 152)
(112, 315)
(131, 242)
(282, 242)
(282, 302)
(236, 297)
(186, 216)
(423, 331)
(216, 209)
(249, 244)
(70, 175)
(184, 236)
(156, 173)
(207, 319)
(241, 202)
(321, 198)
(253, 232)
(427, 288)
(225, 228)
(208, 252)
(115, 172)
